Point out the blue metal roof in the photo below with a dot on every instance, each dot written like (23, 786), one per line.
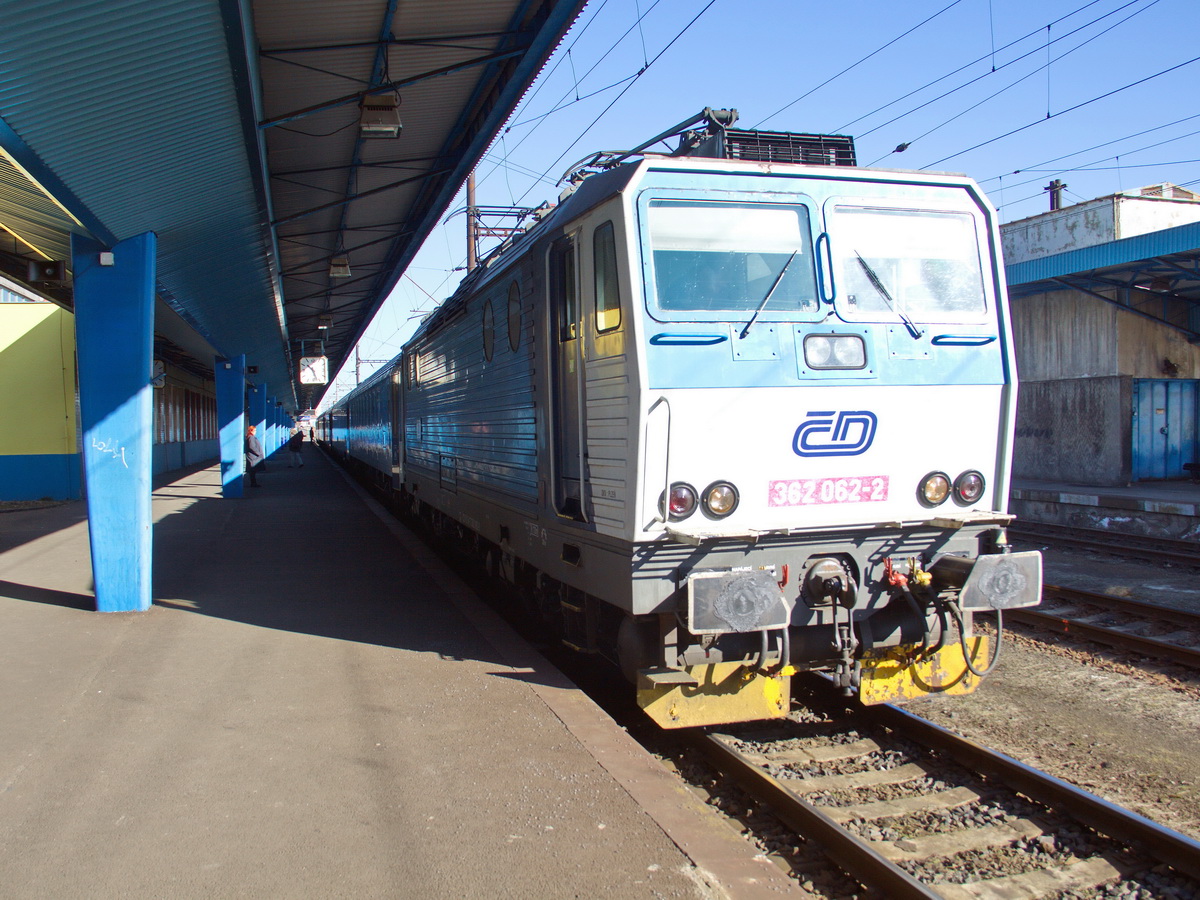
(1154, 275)
(119, 117)
(1112, 254)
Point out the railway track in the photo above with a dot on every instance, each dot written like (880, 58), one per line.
(914, 811)
(1133, 625)
(1172, 550)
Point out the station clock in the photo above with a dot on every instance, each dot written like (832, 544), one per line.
(314, 370)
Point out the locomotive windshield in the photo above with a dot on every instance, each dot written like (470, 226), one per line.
(926, 265)
(727, 257)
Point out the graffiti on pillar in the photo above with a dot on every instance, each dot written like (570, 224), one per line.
(116, 451)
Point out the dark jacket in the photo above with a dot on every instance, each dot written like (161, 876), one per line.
(295, 441)
(254, 450)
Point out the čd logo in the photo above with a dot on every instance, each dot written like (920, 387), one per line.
(835, 433)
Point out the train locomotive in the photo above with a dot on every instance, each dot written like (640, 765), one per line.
(723, 413)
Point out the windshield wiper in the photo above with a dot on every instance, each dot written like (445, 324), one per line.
(766, 299)
(892, 304)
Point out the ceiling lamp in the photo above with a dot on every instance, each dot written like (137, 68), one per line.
(324, 323)
(380, 115)
(339, 267)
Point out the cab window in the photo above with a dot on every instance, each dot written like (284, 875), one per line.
(724, 260)
(893, 263)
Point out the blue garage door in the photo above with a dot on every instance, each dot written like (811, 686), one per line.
(1164, 427)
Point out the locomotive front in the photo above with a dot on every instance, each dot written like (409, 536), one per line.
(827, 393)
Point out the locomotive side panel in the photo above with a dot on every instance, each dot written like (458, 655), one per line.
(470, 420)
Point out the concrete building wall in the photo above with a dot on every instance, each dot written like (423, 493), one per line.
(1076, 430)
(1146, 349)
(1064, 334)
(1077, 357)
(1095, 222)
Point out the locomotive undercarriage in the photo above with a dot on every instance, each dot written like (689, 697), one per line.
(888, 615)
(711, 634)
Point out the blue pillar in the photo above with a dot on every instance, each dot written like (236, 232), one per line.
(114, 337)
(273, 419)
(230, 376)
(256, 403)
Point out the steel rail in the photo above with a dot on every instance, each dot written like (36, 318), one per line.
(1164, 844)
(1126, 605)
(844, 848)
(1121, 640)
(1166, 549)
(1113, 636)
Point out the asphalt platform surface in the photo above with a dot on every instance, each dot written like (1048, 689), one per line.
(315, 706)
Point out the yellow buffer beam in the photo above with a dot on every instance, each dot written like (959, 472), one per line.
(898, 674)
(715, 694)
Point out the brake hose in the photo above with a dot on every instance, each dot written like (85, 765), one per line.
(962, 639)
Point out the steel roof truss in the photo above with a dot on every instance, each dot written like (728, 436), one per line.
(1192, 336)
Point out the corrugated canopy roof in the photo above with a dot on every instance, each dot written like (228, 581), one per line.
(1155, 275)
(232, 130)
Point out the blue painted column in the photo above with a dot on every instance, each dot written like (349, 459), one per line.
(273, 418)
(256, 404)
(114, 338)
(230, 376)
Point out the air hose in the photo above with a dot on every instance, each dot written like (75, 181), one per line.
(962, 640)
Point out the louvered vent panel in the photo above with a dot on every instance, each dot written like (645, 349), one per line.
(785, 147)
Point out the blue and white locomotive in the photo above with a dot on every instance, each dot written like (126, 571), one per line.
(726, 413)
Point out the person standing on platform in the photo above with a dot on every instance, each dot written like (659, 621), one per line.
(254, 456)
(295, 442)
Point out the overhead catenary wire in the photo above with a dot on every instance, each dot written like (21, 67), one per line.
(583, 133)
(857, 63)
(1063, 112)
(904, 146)
(984, 75)
(1128, 137)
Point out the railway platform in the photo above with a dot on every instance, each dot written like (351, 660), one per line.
(1157, 508)
(314, 706)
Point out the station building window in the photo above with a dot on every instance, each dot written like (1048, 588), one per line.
(183, 414)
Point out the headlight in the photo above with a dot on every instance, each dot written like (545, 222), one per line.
(968, 487)
(834, 351)
(933, 489)
(681, 501)
(720, 499)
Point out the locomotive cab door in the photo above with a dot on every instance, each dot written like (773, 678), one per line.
(567, 383)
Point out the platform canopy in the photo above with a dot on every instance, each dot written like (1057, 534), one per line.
(1155, 275)
(290, 156)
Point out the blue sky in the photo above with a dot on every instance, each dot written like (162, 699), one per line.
(1099, 93)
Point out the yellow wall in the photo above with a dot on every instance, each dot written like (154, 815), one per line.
(37, 379)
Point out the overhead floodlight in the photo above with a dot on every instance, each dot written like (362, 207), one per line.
(380, 115)
(339, 267)
(324, 323)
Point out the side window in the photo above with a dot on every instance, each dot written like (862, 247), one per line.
(413, 371)
(514, 316)
(489, 330)
(608, 297)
